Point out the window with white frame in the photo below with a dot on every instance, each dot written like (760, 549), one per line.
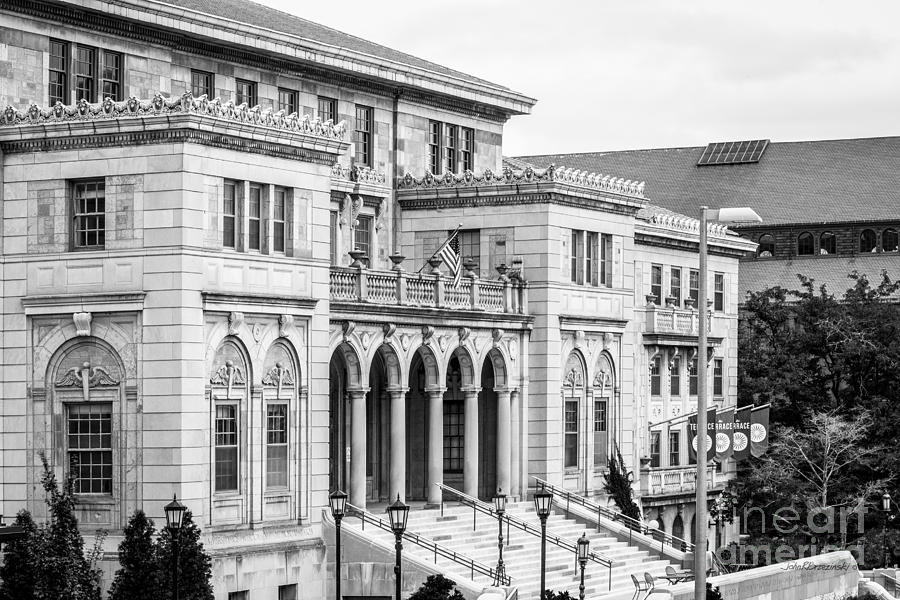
(277, 445)
(226, 448)
(656, 284)
(719, 292)
(89, 214)
(451, 148)
(675, 285)
(89, 443)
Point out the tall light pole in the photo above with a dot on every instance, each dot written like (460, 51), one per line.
(174, 517)
(584, 548)
(398, 512)
(500, 508)
(338, 501)
(721, 215)
(886, 507)
(543, 500)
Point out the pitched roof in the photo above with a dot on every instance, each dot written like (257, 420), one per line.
(831, 271)
(793, 182)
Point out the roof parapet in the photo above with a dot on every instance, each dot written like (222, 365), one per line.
(681, 223)
(609, 183)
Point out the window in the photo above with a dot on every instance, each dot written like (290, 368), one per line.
(719, 292)
(89, 214)
(89, 433)
(110, 75)
(85, 76)
(655, 377)
(229, 215)
(675, 377)
(606, 259)
(245, 92)
(450, 147)
(287, 592)
(577, 261)
(362, 136)
(287, 101)
(362, 235)
(571, 432)
(226, 454)
(805, 245)
(890, 240)
(692, 377)
(449, 161)
(599, 433)
(454, 427)
(59, 72)
(276, 445)
(434, 147)
(254, 224)
(654, 449)
(694, 286)
(591, 274)
(202, 83)
(827, 243)
(333, 239)
(242, 595)
(868, 241)
(656, 283)
(328, 109)
(599, 415)
(470, 245)
(466, 148)
(674, 448)
(675, 285)
(718, 377)
(279, 218)
(766, 247)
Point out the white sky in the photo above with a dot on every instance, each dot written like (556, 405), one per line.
(655, 73)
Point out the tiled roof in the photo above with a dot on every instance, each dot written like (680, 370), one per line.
(252, 13)
(757, 275)
(794, 182)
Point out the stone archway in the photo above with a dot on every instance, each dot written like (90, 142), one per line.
(344, 380)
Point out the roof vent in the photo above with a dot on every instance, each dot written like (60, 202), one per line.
(732, 153)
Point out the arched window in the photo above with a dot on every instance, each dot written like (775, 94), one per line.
(228, 385)
(766, 247)
(868, 241)
(279, 391)
(604, 383)
(573, 393)
(827, 243)
(678, 527)
(805, 244)
(890, 240)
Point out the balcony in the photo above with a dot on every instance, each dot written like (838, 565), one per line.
(400, 288)
(673, 320)
(664, 481)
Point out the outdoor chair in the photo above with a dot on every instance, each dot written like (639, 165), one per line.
(639, 586)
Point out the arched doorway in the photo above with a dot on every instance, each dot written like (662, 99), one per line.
(678, 527)
(487, 434)
(344, 382)
(378, 432)
(454, 425)
(424, 430)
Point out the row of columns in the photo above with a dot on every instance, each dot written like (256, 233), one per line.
(358, 431)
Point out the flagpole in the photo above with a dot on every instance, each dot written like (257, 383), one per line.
(441, 247)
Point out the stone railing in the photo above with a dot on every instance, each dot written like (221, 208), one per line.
(401, 288)
(657, 481)
(674, 320)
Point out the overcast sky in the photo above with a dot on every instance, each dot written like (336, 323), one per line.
(650, 74)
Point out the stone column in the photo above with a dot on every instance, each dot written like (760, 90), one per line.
(358, 448)
(435, 445)
(504, 452)
(470, 463)
(398, 444)
(515, 436)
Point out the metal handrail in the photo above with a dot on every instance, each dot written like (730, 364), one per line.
(461, 559)
(487, 509)
(612, 515)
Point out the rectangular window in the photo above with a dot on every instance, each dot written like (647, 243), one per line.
(599, 415)
(229, 215)
(694, 287)
(656, 283)
(89, 434)
(362, 235)
(675, 285)
(328, 109)
(59, 72)
(450, 164)
(577, 249)
(591, 274)
(470, 245)
(226, 444)
(242, 595)
(255, 219)
(450, 148)
(287, 101)
(85, 74)
(287, 592)
(110, 75)
(434, 147)
(279, 219)
(202, 83)
(89, 214)
(363, 135)
(654, 449)
(245, 92)
(718, 377)
(571, 442)
(692, 377)
(466, 148)
(655, 377)
(674, 448)
(276, 445)
(454, 427)
(719, 292)
(333, 239)
(606, 260)
(599, 433)
(675, 377)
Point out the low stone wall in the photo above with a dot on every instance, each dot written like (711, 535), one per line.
(824, 577)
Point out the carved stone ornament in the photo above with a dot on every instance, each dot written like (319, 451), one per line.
(285, 322)
(427, 332)
(578, 337)
(602, 380)
(347, 327)
(94, 376)
(388, 329)
(607, 340)
(573, 378)
(463, 333)
(228, 374)
(405, 342)
(512, 347)
(366, 339)
(497, 336)
(278, 376)
(82, 322)
(443, 343)
(257, 331)
(235, 320)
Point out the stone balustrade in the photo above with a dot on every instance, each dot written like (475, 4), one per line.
(674, 320)
(656, 481)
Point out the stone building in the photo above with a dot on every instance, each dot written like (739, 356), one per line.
(212, 238)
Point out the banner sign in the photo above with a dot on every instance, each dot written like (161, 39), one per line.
(724, 434)
(759, 430)
(710, 433)
(741, 441)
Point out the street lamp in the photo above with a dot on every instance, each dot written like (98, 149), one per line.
(721, 215)
(584, 547)
(543, 500)
(338, 500)
(500, 508)
(398, 512)
(174, 518)
(886, 507)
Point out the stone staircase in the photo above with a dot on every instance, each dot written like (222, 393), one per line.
(521, 552)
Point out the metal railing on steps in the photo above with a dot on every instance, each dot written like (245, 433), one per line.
(436, 549)
(485, 508)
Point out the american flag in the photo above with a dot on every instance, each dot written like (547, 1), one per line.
(450, 255)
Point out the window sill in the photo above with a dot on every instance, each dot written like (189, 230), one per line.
(95, 499)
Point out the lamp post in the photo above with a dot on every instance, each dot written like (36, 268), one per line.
(174, 518)
(337, 500)
(886, 507)
(500, 508)
(584, 548)
(722, 215)
(398, 512)
(543, 500)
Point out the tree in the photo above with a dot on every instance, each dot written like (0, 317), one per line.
(194, 564)
(139, 577)
(19, 574)
(437, 587)
(617, 483)
(551, 595)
